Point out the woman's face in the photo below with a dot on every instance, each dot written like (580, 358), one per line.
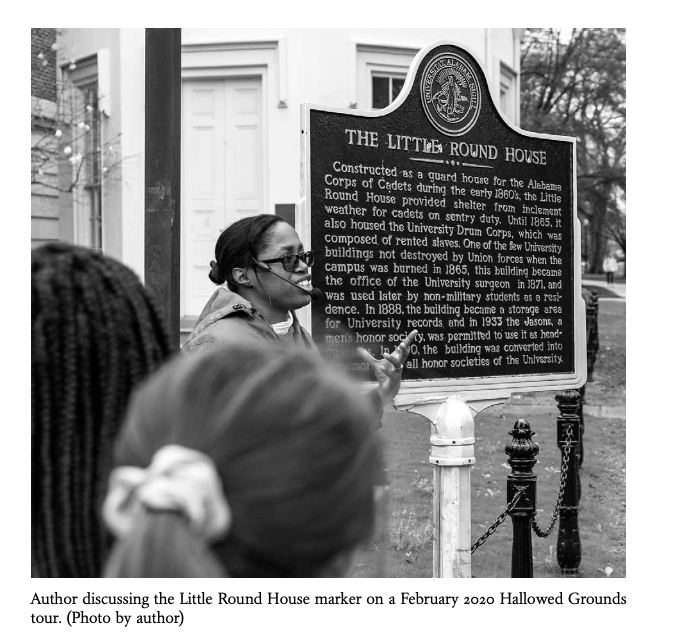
(284, 297)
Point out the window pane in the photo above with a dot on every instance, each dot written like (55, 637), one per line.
(92, 137)
(380, 92)
(95, 218)
(90, 141)
(397, 84)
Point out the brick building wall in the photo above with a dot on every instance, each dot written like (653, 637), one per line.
(45, 206)
(43, 70)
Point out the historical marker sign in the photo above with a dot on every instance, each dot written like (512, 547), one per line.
(437, 214)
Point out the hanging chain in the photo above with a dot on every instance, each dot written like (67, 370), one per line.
(509, 507)
(561, 489)
(516, 498)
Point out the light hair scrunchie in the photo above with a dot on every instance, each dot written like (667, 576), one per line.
(178, 479)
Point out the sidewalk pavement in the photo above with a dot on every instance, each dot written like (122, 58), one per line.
(543, 402)
(619, 288)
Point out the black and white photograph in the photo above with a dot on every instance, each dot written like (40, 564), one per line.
(332, 302)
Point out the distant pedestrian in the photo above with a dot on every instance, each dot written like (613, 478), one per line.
(95, 334)
(610, 266)
(247, 460)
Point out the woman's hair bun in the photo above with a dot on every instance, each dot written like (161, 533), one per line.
(214, 274)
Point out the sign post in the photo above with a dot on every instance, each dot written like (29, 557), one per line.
(162, 170)
(438, 214)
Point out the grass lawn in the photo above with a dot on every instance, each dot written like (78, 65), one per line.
(403, 544)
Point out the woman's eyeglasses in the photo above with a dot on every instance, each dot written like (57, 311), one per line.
(291, 260)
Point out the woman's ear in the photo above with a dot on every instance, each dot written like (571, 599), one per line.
(241, 277)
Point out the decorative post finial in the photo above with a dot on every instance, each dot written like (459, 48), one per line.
(522, 452)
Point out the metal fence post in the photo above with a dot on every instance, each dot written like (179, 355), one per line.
(592, 306)
(522, 452)
(592, 334)
(569, 549)
(580, 413)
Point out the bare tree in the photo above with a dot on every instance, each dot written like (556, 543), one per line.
(67, 153)
(573, 83)
(66, 150)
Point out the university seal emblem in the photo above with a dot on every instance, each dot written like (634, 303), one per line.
(451, 94)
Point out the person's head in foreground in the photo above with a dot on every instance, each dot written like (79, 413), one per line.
(243, 462)
(96, 333)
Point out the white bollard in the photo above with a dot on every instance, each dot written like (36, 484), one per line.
(453, 454)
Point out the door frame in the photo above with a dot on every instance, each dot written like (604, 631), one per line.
(237, 60)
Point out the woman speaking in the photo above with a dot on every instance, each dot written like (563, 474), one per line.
(263, 271)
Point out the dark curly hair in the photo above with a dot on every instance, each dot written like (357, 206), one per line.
(95, 334)
(238, 244)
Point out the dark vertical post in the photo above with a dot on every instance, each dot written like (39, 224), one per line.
(569, 548)
(592, 349)
(162, 170)
(580, 413)
(592, 334)
(522, 451)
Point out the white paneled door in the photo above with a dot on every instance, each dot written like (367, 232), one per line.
(222, 177)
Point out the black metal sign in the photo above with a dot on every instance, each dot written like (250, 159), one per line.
(437, 214)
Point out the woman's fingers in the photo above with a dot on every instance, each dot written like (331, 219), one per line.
(396, 358)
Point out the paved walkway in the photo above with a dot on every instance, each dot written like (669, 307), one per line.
(539, 403)
(619, 289)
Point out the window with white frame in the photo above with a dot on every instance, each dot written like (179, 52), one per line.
(508, 87)
(86, 153)
(385, 87)
(379, 72)
(93, 165)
